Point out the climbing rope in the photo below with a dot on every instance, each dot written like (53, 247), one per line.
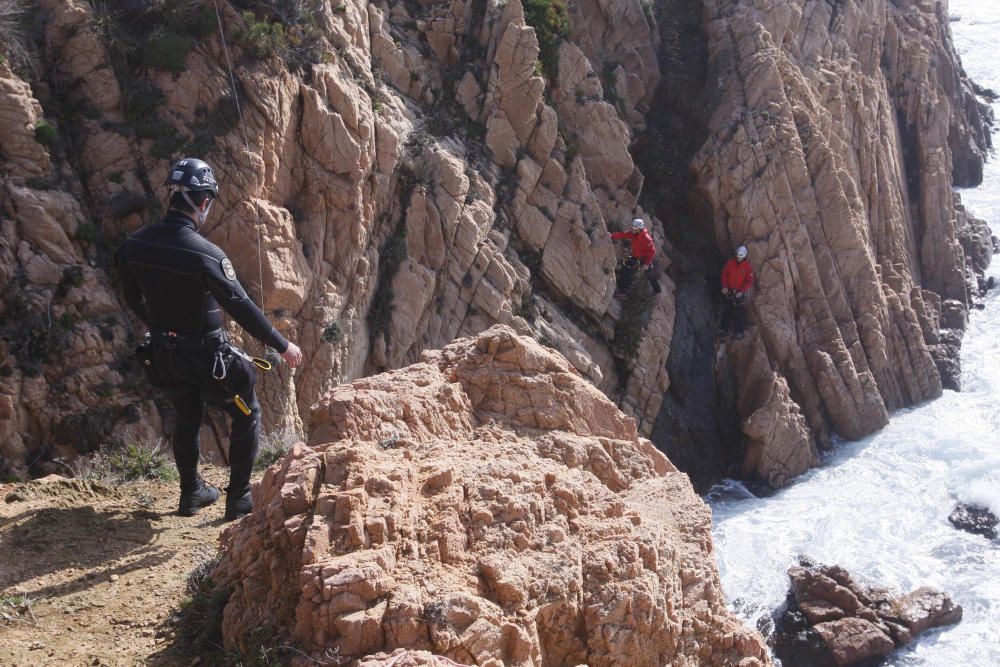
(246, 144)
(271, 355)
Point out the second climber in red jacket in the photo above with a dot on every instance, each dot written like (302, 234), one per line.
(643, 252)
(737, 280)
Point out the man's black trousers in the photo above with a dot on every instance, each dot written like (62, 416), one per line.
(195, 372)
(734, 314)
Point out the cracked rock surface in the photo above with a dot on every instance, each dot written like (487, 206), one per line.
(489, 505)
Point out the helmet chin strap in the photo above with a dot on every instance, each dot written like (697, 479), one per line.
(200, 216)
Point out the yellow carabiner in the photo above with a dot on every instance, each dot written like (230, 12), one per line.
(242, 405)
(262, 364)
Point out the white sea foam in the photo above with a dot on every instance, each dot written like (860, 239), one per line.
(880, 506)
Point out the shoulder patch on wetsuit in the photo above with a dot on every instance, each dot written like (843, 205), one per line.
(227, 268)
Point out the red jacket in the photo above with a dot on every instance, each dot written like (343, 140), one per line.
(643, 248)
(737, 275)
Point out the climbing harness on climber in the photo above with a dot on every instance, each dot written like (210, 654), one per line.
(642, 253)
(737, 281)
(178, 283)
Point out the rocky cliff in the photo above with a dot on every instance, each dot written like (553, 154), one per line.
(831, 155)
(487, 504)
(398, 174)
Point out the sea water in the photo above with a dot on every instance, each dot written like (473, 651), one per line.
(879, 506)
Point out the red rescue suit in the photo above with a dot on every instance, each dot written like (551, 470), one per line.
(643, 248)
(737, 275)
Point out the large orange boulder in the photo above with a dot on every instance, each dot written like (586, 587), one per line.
(490, 506)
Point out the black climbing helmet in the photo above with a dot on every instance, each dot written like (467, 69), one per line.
(192, 175)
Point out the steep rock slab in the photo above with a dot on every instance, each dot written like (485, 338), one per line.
(830, 158)
(488, 505)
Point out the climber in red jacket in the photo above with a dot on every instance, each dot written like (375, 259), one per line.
(643, 252)
(737, 280)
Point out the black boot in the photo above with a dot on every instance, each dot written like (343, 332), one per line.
(238, 500)
(195, 496)
(238, 503)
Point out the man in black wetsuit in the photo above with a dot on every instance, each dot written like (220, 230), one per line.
(175, 280)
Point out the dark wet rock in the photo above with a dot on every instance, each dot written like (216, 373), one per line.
(984, 92)
(795, 642)
(947, 357)
(830, 619)
(974, 519)
(953, 315)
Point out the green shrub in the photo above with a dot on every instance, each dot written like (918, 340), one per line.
(45, 134)
(141, 99)
(273, 446)
(113, 28)
(167, 51)
(286, 29)
(332, 333)
(72, 276)
(26, 325)
(154, 34)
(550, 19)
(134, 461)
(260, 38)
(199, 22)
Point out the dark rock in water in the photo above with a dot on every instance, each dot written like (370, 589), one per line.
(991, 282)
(830, 619)
(974, 519)
(953, 315)
(795, 642)
(947, 357)
(984, 92)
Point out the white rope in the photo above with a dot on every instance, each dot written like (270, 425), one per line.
(246, 143)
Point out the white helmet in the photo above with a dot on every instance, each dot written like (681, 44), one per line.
(741, 253)
(638, 224)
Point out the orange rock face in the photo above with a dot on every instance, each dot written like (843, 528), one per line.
(831, 157)
(488, 505)
(426, 176)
